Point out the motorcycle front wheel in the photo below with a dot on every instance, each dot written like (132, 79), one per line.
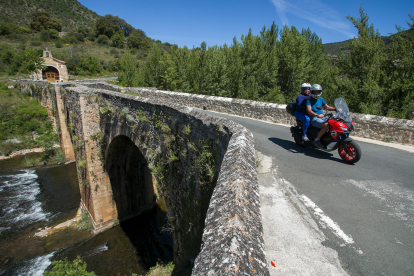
(352, 154)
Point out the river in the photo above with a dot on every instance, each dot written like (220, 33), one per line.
(46, 196)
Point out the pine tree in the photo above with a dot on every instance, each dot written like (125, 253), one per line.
(128, 74)
(294, 62)
(360, 68)
(398, 86)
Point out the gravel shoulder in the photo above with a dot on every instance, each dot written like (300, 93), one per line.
(293, 241)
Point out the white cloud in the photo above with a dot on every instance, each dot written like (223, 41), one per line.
(315, 12)
(280, 6)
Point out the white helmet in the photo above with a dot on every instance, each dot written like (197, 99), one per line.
(316, 91)
(304, 86)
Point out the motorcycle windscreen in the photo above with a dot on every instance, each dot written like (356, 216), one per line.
(342, 110)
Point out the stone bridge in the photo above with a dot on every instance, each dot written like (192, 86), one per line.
(132, 145)
(129, 150)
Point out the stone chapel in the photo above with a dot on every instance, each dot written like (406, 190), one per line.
(56, 70)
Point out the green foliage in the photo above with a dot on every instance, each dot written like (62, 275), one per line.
(187, 129)
(81, 163)
(85, 183)
(102, 39)
(161, 269)
(110, 25)
(138, 42)
(24, 120)
(398, 100)
(118, 40)
(142, 117)
(375, 79)
(128, 75)
(10, 28)
(360, 64)
(43, 20)
(205, 164)
(25, 61)
(64, 267)
(84, 223)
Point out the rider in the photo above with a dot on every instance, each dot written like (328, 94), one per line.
(300, 112)
(318, 120)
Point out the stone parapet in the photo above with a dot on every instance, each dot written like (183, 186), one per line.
(232, 239)
(367, 126)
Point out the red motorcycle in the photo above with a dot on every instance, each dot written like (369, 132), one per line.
(337, 137)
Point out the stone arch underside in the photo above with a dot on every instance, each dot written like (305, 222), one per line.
(130, 178)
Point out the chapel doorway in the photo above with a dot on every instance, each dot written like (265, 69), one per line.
(51, 74)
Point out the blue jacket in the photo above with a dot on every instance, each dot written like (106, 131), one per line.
(301, 103)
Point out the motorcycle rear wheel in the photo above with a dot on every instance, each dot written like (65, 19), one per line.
(352, 154)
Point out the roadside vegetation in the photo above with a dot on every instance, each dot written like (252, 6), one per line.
(24, 124)
(78, 268)
(88, 52)
(372, 77)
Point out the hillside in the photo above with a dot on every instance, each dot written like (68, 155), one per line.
(71, 13)
(333, 48)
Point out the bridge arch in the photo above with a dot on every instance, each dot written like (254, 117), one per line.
(130, 178)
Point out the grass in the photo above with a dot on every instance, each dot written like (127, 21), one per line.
(84, 223)
(161, 269)
(56, 157)
(24, 123)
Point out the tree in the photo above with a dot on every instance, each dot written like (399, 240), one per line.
(152, 70)
(399, 66)
(102, 39)
(109, 25)
(118, 40)
(138, 42)
(128, 75)
(43, 20)
(360, 68)
(294, 62)
(64, 267)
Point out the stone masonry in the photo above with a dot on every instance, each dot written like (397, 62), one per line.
(367, 126)
(204, 167)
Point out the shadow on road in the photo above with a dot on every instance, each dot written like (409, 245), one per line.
(311, 152)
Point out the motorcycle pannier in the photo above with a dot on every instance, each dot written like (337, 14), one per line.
(290, 108)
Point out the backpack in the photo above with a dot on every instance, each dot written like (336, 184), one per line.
(291, 108)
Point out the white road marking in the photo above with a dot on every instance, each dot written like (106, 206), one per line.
(327, 221)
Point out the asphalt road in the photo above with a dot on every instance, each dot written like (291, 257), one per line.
(365, 210)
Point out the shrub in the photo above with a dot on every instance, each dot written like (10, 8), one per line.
(84, 223)
(161, 269)
(102, 39)
(64, 267)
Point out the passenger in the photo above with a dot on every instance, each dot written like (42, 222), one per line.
(318, 120)
(300, 112)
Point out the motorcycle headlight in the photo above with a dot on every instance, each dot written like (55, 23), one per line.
(344, 128)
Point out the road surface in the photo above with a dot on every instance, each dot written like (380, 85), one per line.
(365, 210)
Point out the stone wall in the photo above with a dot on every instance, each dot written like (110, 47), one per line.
(204, 167)
(49, 96)
(367, 126)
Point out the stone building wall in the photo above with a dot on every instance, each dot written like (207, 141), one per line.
(367, 126)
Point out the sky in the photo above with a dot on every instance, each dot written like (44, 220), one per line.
(189, 23)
